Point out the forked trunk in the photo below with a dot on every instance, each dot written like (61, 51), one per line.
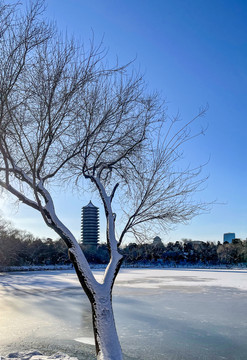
(106, 338)
(100, 296)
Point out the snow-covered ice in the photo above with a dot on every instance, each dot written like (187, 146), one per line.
(141, 278)
(157, 278)
(86, 340)
(36, 355)
(160, 314)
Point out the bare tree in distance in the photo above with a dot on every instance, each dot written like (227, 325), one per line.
(65, 117)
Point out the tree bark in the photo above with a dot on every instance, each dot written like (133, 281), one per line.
(107, 344)
(105, 333)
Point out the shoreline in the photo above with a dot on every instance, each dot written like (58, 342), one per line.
(124, 266)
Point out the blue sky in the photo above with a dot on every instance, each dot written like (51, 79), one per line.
(194, 52)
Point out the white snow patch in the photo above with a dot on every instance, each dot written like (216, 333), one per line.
(36, 355)
(86, 340)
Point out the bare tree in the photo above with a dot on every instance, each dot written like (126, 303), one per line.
(65, 117)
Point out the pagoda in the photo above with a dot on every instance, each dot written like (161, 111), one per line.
(90, 225)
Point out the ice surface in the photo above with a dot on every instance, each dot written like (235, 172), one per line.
(86, 340)
(142, 278)
(160, 314)
(157, 278)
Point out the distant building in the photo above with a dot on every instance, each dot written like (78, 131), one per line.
(198, 242)
(228, 237)
(90, 225)
(157, 241)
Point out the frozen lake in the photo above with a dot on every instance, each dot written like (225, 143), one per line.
(160, 314)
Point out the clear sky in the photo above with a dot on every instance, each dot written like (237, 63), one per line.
(194, 52)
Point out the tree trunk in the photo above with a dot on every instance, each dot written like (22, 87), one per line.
(106, 338)
(100, 296)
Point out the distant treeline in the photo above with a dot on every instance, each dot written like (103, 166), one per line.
(18, 248)
(188, 252)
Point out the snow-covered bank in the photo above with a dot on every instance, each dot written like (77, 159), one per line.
(35, 268)
(124, 266)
